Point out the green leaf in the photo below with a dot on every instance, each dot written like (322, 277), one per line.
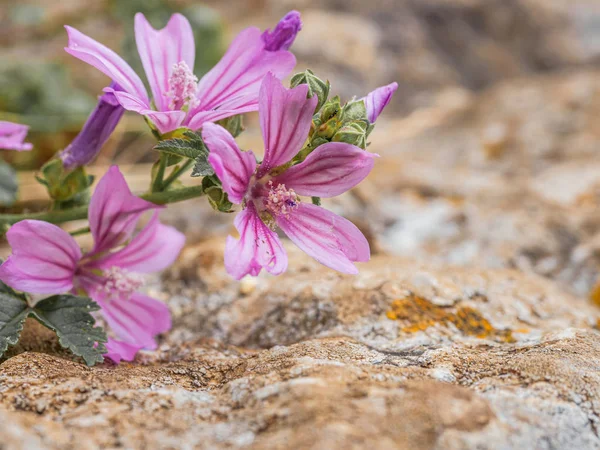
(70, 317)
(316, 201)
(13, 312)
(191, 146)
(8, 184)
(202, 168)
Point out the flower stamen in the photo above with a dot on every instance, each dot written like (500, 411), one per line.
(119, 283)
(183, 85)
(280, 200)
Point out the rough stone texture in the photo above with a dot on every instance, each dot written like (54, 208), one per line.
(472, 326)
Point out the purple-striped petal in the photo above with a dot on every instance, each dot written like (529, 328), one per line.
(12, 136)
(285, 120)
(241, 70)
(284, 34)
(377, 100)
(258, 247)
(161, 49)
(108, 62)
(135, 320)
(153, 249)
(233, 166)
(114, 211)
(330, 170)
(233, 107)
(118, 351)
(43, 260)
(165, 121)
(332, 240)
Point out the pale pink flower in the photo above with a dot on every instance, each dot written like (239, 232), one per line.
(12, 136)
(178, 98)
(47, 260)
(272, 199)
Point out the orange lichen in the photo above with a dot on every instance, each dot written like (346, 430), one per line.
(595, 294)
(420, 314)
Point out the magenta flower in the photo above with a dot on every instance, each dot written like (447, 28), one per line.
(284, 34)
(97, 129)
(178, 99)
(377, 100)
(271, 199)
(12, 136)
(47, 260)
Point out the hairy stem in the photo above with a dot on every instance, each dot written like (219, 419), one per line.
(157, 183)
(177, 172)
(81, 212)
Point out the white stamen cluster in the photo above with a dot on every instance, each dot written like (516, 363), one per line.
(281, 201)
(120, 283)
(183, 85)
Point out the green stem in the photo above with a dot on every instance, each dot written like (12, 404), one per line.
(81, 212)
(177, 173)
(157, 184)
(80, 231)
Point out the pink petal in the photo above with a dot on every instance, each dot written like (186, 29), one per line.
(241, 70)
(44, 258)
(233, 107)
(161, 49)
(258, 247)
(118, 351)
(114, 211)
(12, 136)
(105, 60)
(285, 120)
(377, 100)
(233, 166)
(136, 320)
(330, 170)
(165, 121)
(154, 248)
(332, 240)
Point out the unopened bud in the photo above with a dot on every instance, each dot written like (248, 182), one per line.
(354, 133)
(316, 86)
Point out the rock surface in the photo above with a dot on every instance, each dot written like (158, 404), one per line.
(472, 326)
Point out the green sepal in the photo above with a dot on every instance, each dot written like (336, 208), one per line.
(316, 86)
(354, 133)
(65, 187)
(233, 124)
(217, 198)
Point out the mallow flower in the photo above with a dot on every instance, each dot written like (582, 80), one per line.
(95, 132)
(270, 192)
(47, 260)
(178, 98)
(378, 99)
(12, 136)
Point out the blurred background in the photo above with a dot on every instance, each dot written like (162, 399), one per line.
(490, 152)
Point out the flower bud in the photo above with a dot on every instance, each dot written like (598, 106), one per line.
(354, 133)
(284, 34)
(316, 86)
(96, 131)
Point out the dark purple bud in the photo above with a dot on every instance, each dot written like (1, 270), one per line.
(97, 129)
(282, 37)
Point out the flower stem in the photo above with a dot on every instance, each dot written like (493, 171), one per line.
(157, 183)
(81, 212)
(177, 173)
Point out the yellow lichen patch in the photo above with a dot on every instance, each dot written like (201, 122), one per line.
(420, 314)
(595, 295)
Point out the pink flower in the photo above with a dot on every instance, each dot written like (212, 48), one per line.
(377, 100)
(178, 99)
(271, 199)
(47, 260)
(12, 136)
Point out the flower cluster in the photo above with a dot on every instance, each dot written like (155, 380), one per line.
(314, 147)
